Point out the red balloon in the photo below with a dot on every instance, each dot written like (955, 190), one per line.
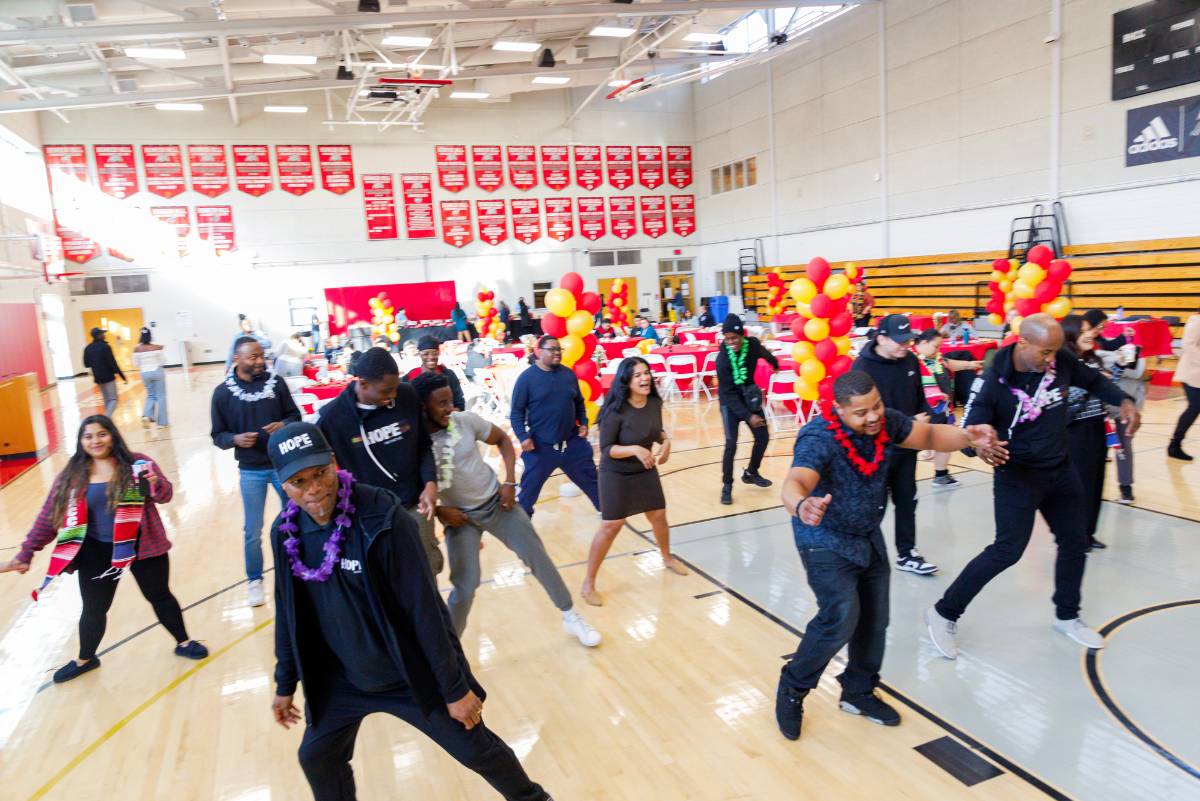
(589, 302)
(840, 324)
(1046, 291)
(993, 287)
(554, 325)
(825, 389)
(817, 271)
(821, 306)
(573, 283)
(1001, 265)
(1028, 306)
(798, 329)
(839, 305)
(995, 307)
(826, 351)
(585, 369)
(597, 388)
(1040, 255)
(841, 365)
(589, 346)
(481, 296)
(1058, 271)
(491, 295)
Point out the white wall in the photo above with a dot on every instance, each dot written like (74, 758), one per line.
(296, 246)
(968, 137)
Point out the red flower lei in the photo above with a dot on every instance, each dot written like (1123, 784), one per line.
(863, 467)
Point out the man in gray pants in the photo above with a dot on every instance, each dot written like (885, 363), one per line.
(471, 501)
(98, 357)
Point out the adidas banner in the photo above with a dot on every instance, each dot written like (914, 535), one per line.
(1162, 132)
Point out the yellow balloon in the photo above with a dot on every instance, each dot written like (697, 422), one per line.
(995, 319)
(1009, 305)
(580, 323)
(812, 371)
(572, 348)
(852, 271)
(592, 409)
(843, 345)
(618, 285)
(1023, 289)
(618, 302)
(807, 391)
(803, 290)
(645, 345)
(585, 389)
(997, 276)
(1006, 286)
(803, 310)
(802, 351)
(1031, 274)
(374, 303)
(816, 329)
(1012, 274)
(836, 286)
(1059, 308)
(1016, 325)
(1013, 264)
(561, 302)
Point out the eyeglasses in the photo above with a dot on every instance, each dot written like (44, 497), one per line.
(552, 350)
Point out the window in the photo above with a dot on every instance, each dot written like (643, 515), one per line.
(602, 258)
(301, 312)
(739, 175)
(629, 257)
(96, 285)
(754, 31)
(716, 180)
(540, 288)
(130, 283)
(735, 175)
(666, 266)
(727, 178)
(727, 283)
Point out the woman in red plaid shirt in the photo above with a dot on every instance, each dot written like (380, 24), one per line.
(101, 513)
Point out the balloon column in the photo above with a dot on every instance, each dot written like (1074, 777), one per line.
(822, 349)
(488, 323)
(618, 304)
(776, 292)
(572, 319)
(1029, 288)
(383, 317)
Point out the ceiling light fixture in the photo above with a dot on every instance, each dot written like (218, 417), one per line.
(282, 58)
(286, 109)
(618, 84)
(179, 106)
(552, 79)
(407, 41)
(516, 47)
(470, 95)
(165, 53)
(612, 32)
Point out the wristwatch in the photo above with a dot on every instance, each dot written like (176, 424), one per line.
(800, 503)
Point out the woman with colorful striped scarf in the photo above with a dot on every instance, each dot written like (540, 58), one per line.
(937, 381)
(101, 513)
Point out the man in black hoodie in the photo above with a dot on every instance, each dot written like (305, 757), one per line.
(1024, 396)
(359, 621)
(740, 400)
(897, 374)
(98, 357)
(378, 431)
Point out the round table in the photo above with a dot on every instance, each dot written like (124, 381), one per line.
(700, 334)
(615, 348)
(324, 391)
(978, 347)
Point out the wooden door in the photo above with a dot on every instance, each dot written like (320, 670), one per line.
(123, 327)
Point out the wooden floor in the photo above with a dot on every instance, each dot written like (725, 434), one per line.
(677, 703)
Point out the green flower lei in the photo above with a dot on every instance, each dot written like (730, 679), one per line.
(737, 362)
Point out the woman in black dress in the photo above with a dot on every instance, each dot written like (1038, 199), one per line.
(630, 426)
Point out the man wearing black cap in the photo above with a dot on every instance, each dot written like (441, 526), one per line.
(741, 402)
(360, 623)
(377, 429)
(897, 373)
(98, 357)
(430, 351)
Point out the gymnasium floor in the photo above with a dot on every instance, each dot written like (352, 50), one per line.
(677, 703)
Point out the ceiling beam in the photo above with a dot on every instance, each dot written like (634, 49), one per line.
(227, 71)
(318, 23)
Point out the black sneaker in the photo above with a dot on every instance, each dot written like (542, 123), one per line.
(871, 707)
(1126, 494)
(191, 650)
(73, 670)
(727, 494)
(789, 711)
(755, 479)
(1175, 451)
(1095, 544)
(913, 562)
(946, 482)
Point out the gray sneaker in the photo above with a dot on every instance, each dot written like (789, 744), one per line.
(946, 482)
(942, 633)
(1080, 632)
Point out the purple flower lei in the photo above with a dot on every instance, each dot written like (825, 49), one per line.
(1031, 408)
(332, 546)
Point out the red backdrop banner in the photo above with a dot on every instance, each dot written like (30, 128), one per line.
(252, 169)
(493, 221)
(683, 214)
(22, 351)
(214, 224)
(451, 167)
(337, 168)
(654, 215)
(379, 206)
(622, 215)
(619, 165)
(431, 300)
(679, 166)
(116, 170)
(164, 170)
(527, 219)
(209, 169)
(456, 222)
(65, 166)
(589, 166)
(560, 225)
(522, 166)
(488, 167)
(177, 217)
(295, 168)
(591, 217)
(556, 167)
(417, 189)
(650, 166)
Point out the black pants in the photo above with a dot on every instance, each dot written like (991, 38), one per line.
(1089, 449)
(902, 486)
(1189, 414)
(852, 607)
(761, 435)
(152, 577)
(1018, 494)
(327, 747)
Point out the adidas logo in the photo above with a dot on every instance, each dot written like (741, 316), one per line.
(1155, 136)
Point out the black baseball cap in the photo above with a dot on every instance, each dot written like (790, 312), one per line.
(896, 327)
(297, 446)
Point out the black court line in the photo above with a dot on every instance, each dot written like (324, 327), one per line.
(928, 714)
(708, 594)
(1092, 663)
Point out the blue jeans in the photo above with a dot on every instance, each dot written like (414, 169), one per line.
(574, 458)
(155, 409)
(253, 484)
(108, 391)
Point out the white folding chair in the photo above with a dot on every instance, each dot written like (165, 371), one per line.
(612, 366)
(504, 358)
(296, 382)
(303, 399)
(781, 389)
(631, 352)
(682, 367)
(708, 369)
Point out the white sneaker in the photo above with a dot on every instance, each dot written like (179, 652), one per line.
(1080, 632)
(254, 593)
(580, 629)
(913, 562)
(942, 632)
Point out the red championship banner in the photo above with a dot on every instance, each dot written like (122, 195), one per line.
(622, 215)
(619, 164)
(556, 166)
(560, 226)
(589, 168)
(417, 190)
(67, 168)
(527, 219)
(488, 167)
(209, 169)
(456, 222)
(451, 167)
(179, 219)
(591, 217)
(683, 214)
(295, 168)
(679, 166)
(116, 170)
(379, 206)
(214, 224)
(252, 169)
(522, 166)
(654, 215)
(650, 166)
(337, 168)
(164, 170)
(493, 221)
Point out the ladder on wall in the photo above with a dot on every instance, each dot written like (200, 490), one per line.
(749, 260)
(1039, 228)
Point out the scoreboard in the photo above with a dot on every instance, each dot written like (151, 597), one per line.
(1155, 46)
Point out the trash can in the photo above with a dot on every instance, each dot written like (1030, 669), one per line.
(719, 306)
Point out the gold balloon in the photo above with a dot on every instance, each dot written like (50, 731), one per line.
(816, 329)
(812, 371)
(843, 345)
(807, 391)
(1031, 274)
(1023, 289)
(585, 389)
(836, 286)
(572, 348)
(802, 351)
(580, 323)
(1059, 308)
(1006, 286)
(995, 319)
(803, 290)
(560, 302)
